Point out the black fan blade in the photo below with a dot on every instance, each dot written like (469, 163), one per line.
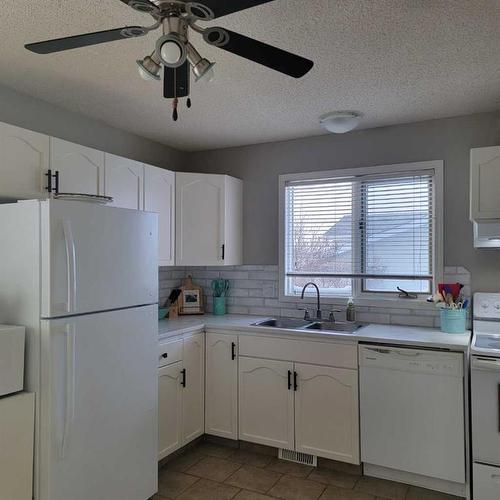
(77, 41)
(224, 7)
(142, 5)
(176, 81)
(262, 53)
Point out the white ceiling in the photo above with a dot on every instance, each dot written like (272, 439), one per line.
(395, 61)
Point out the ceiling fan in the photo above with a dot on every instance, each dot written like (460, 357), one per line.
(173, 49)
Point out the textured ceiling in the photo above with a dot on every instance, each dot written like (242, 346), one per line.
(395, 61)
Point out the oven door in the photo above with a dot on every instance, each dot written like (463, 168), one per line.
(486, 409)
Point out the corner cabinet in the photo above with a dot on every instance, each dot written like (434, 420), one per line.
(24, 161)
(159, 197)
(208, 220)
(485, 183)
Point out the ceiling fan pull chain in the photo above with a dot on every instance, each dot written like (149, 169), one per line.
(188, 102)
(175, 114)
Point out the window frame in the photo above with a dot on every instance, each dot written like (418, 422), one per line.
(370, 298)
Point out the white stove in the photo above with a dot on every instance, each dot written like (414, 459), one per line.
(485, 394)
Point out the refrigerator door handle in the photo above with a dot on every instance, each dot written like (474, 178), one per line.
(70, 265)
(69, 404)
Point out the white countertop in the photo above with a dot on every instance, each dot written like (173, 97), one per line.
(385, 334)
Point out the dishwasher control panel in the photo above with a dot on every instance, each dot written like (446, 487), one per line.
(412, 360)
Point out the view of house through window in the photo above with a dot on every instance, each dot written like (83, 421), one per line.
(370, 233)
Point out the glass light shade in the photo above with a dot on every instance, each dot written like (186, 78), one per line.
(170, 52)
(148, 69)
(340, 122)
(204, 71)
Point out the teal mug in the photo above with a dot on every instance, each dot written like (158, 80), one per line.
(219, 306)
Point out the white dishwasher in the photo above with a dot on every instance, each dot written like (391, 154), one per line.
(412, 411)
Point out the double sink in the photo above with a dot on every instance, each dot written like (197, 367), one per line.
(304, 325)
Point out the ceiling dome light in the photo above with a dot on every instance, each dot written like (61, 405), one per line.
(148, 68)
(340, 122)
(203, 69)
(171, 51)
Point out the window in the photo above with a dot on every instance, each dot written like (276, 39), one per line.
(361, 231)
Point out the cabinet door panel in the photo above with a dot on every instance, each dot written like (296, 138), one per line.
(169, 409)
(485, 183)
(266, 402)
(221, 411)
(159, 197)
(193, 401)
(124, 182)
(200, 200)
(327, 413)
(24, 159)
(81, 169)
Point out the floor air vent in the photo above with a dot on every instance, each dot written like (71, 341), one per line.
(297, 457)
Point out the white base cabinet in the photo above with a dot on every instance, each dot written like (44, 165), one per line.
(181, 393)
(221, 406)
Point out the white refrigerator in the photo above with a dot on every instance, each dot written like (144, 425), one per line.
(83, 278)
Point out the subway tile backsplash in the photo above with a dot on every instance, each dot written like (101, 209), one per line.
(254, 290)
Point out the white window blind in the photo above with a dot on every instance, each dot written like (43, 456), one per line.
(372, 230)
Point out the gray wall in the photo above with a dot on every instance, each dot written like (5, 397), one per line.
(40, 116)
(449, 140)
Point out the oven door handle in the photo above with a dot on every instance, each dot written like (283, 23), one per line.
(486, 364)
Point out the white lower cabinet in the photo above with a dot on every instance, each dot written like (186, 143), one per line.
(181, 393)
(221, 406)
(266, 400)
(327, 412)
(169, 409)
(486, 482)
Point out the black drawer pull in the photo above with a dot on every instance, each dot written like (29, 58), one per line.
(289, 379)
(183, 381)
(233, 351)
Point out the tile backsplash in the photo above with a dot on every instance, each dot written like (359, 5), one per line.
(254, 290)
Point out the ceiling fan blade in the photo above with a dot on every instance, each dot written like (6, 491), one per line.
(141, 5)
(224, 7)
(176, 81)
(77, 41)
(259, 52)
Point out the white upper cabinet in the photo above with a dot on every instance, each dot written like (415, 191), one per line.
(485, 183)
(24, 160)
(159, 197)
(124, 182)
(81, 169)
(208, 220)
(221, 407)
(327, 412)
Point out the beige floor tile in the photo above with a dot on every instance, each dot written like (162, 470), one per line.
(382, 488)
(415, 493)
(172, 483)
(216, 469)
(334, 478)
(251, 495)
(209, 490)
(215, 450)
(184, 461)
(254, 478)
(290, 468)
(294, 488)
(334, 493)
(249, 458)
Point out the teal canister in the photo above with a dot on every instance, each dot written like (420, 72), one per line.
(219, 306)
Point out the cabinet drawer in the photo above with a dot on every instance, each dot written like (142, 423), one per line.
(169, 352)
(305, 351)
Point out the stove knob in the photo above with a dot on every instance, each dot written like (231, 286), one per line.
(484, 305)
(497, 306)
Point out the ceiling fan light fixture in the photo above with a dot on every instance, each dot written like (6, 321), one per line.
(171, 51)
(340, 122)
(203, 69)
(149, 69)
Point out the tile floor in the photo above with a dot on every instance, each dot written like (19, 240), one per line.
(213, 472)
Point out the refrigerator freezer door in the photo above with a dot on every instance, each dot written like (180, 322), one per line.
(96, 258)
(98, 436)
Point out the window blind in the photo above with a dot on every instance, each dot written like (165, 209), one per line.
(373, 228)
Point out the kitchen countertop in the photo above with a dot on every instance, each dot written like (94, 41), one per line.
(385, 334)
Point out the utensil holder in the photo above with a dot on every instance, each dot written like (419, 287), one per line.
(219, 306)
(453, 320)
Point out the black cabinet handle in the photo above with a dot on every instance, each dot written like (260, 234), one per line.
(295, 385)
(50, 176)
(56, 189)
(233, 350)
(289, 379)
(183, 381)
(48, 187)
(223, 251)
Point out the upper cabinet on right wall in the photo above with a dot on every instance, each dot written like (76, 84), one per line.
(485, 183)
(209, 220)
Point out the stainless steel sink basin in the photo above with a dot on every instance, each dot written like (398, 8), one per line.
(291, 323)
(337, 326)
